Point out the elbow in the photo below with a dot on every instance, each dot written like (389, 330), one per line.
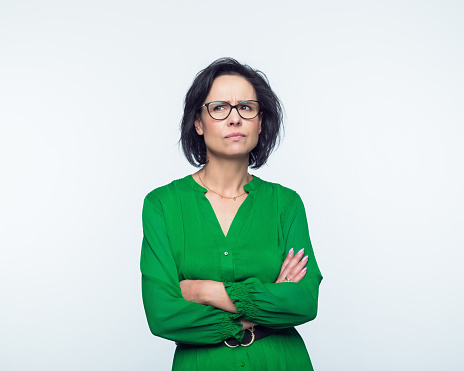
(160, 331)
(311, 300)
(312, 312)
(156, 328)
(162, 328)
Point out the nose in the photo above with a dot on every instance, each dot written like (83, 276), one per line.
(234, 118)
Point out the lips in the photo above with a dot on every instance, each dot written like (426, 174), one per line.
(235, 135)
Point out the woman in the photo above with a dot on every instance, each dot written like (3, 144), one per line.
(227, 264)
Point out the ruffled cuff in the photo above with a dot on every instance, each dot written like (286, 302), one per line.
(241, 296)
(231, 326)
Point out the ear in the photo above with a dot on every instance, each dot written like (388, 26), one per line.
(198, 125)
(260, 121)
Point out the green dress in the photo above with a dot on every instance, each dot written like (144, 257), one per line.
(183, 240)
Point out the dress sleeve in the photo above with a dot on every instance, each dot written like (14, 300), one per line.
(286, 304)
(168, 314)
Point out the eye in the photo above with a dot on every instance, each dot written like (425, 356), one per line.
(218, 106)
(248, 106)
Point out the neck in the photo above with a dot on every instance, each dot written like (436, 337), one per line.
(226, 177)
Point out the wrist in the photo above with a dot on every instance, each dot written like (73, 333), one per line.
(204, 294)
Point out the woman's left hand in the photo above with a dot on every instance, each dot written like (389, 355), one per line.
(292, 269)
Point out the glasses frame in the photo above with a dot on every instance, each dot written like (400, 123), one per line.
(231, 108)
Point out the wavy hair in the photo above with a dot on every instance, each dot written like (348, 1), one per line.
(193, 145)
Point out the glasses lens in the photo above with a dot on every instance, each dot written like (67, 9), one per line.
(220, 110)
(248, 109)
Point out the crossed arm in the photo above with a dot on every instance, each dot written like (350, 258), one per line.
(190, 312)
(213, 293)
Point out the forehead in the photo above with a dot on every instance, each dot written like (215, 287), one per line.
(230, 88)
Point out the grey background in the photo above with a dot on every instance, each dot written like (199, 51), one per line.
(90, 101)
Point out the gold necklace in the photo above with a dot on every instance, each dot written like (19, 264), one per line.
(222, 196)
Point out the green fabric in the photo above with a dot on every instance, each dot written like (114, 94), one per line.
(183, 240)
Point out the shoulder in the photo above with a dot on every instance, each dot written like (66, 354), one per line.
(281, 192)
(169, 192)
(285, 200)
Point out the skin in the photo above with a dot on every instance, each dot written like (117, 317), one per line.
(226, 172)
(227, 169)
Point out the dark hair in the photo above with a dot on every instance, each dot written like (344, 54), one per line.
(193, 145)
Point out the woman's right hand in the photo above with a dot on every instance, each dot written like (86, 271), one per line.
(246, 324)
(293, 267)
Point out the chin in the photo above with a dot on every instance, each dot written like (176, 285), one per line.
(234, 151)
(231, 155)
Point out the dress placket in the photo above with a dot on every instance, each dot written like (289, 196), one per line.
(225, 244)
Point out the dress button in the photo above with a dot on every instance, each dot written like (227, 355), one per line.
(226, 253)
(242, 364)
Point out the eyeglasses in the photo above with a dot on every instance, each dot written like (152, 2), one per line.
(219, 110)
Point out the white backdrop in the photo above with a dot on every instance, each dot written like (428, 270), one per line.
(90, 102)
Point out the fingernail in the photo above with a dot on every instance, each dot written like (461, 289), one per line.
(301, 251)
(304, 270)
(305, 258)
(290, 251)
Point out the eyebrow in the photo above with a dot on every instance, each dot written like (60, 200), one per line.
(228, 101)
